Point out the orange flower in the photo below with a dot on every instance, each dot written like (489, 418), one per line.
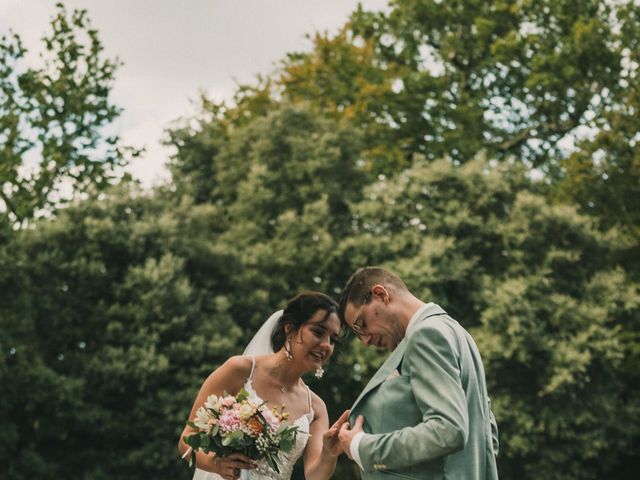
(255, 426)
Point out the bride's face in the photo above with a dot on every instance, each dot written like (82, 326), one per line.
(315, 340)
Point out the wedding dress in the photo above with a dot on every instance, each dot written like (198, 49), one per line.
(286, 460)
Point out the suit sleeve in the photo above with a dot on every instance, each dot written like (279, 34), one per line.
(432, 357)
(494, 431)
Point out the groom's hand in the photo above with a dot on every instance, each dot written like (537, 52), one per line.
(347, 433)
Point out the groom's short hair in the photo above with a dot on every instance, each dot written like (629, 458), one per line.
(358, 287)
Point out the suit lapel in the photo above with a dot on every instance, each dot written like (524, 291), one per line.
(390, 364)
(395, 358)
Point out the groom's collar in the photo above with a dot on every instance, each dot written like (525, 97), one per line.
(413, 321)
(395, 358)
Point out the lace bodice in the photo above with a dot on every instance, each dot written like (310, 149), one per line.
(286, 459)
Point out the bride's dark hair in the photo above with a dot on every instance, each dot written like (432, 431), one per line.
(298, 312)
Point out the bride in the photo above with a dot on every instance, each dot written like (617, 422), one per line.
(302, 336)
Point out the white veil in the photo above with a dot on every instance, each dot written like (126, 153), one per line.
(260, 344)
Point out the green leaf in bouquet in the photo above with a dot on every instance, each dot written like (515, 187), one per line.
(218, 447)
(286, 444)
(214, 430)
(234, 439)
(286, 429)
(243, 442)
(242, 395)
(192, 425)
(204, 442)
(272, 463)
(253, 452)
(193, 441)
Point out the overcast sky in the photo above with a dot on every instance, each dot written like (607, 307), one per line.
(172, 49)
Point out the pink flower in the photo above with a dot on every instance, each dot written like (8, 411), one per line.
(228, 401)
(271, 419)
(229, 421)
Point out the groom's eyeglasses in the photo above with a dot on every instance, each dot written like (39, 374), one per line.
(359, 326)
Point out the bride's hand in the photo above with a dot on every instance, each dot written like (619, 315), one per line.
(330, 440)
(229, 467)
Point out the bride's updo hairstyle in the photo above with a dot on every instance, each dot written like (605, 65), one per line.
(298, 312)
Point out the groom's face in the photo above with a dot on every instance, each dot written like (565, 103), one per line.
(375, 323)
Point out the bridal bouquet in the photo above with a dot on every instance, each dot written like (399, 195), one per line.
(229, 424)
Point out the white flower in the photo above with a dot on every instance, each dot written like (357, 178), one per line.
(202, 419)
(213, 402)
(246, 411)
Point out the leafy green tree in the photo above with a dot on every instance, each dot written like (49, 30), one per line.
(52, 119)
(553, 84)
(118, 312)
(603, 175)
(452, 78)
(343, 77)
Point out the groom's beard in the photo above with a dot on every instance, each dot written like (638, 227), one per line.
(384, 342)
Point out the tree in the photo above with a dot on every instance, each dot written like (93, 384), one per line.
(452, 78)
(553, 84)
(52, 119)
(113, 313)
(344, 77)
(603, 175)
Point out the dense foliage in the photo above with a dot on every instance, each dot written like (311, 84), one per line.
(485, 151)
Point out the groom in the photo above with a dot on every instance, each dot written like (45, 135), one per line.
(425, 414)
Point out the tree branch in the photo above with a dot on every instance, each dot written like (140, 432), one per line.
(10, 206)
(524, 135)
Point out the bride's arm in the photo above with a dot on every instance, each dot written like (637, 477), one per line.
(228, 377)
(323, 448)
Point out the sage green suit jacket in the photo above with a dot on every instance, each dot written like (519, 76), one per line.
(427, 412)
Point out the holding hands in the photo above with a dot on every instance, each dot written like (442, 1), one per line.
(330, 442)
(338, 438)
(346, 434)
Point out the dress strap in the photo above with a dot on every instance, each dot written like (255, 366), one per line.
(309, 398)
(253, 366)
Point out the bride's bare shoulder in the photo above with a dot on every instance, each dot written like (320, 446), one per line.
(229, 376)
(237, 365)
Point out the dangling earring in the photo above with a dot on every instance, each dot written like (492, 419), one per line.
(319, 372)
(287, 350)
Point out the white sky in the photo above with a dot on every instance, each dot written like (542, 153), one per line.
(172, 49)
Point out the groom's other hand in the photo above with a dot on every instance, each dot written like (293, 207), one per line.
(347, 433)
(330, 440)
